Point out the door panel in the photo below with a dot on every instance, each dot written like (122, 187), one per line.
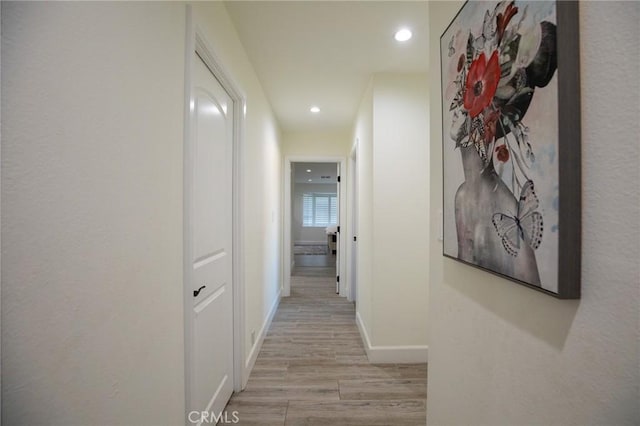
(213, 383)
(210, 241)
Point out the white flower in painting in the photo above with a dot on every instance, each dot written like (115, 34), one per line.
(529, 44)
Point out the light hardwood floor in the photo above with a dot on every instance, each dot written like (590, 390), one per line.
(313, 370)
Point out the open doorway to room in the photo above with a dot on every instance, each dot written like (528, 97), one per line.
(315, 208)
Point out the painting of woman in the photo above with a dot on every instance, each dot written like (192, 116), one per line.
(500, 182)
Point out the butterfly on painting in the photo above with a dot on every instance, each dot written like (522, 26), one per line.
(489, 28)
(452, 50)
(525, 226)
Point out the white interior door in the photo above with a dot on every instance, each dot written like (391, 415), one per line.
(210, 241)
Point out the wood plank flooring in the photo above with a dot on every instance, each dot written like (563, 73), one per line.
(313, 370)
(314, 265)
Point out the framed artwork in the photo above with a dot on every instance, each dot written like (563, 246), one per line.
(511, 142)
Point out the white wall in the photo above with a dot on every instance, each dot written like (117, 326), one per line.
(392, 129)
(92, 329)
(400, 209)
(302, 234)
(500, 353)
(317, 144)
(262, 175)
(93, 97)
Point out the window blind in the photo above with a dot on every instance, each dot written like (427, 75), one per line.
(319, 210)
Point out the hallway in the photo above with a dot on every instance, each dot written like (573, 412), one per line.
(313, 369)
(98, 103)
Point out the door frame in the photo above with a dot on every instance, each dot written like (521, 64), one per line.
(287, 255)
(196, 42)
(352, 245)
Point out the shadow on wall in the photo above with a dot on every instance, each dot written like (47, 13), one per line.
(542, 316)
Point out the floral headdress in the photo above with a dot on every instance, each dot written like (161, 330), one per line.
(496, 78)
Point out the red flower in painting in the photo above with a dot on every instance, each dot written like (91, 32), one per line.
(503, 153)
(503, 19)
(490, 124)
(482, 83)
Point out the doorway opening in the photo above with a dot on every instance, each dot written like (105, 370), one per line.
(314, 219)
(315, 208)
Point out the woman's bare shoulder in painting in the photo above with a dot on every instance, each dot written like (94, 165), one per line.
(477, 199)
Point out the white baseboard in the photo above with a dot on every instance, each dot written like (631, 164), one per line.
(255, 350)
(391, 354)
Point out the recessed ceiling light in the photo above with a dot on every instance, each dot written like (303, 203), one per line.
(314, 109)
(308, 170)
(310, 180)
(403, 35)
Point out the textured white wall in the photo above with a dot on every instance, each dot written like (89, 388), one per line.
(500, 353)
(92, 104)
(318, 144)
(400, 209)
(392, 128)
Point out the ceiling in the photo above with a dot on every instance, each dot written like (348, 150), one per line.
(318, 170)
(324, 52)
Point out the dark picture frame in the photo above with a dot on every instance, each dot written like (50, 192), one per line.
(510, 90)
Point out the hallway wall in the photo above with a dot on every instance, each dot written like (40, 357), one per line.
(393, 158)
(92, 327)
(503, 354)
(400, 209)
(92, 140)
(316, 144)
